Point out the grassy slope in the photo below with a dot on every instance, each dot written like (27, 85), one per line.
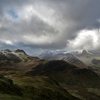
(77, 81)
(32, 88)
(52, 81)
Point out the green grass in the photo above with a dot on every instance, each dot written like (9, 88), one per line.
(32, 88)
(11, 97)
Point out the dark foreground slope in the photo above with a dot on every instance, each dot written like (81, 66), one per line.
(9, 91)
(82, 83)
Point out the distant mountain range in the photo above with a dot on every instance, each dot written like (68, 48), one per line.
(76, 57)
(82, 59)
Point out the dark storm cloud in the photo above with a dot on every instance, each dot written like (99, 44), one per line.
(49, 24)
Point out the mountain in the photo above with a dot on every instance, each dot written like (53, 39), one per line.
(87, 57)
(32, 78)
(68, 57)
(16, 60)
(82, 83)
(82, 59)
(17, 84)
(13, 56)
(90, 59)
(86, 53)
(56, 67)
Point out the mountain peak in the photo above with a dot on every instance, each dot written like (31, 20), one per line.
(84, 52)
(20, 51)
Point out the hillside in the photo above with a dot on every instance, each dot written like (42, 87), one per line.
(68, 57)
(36, 79)
(79, 82)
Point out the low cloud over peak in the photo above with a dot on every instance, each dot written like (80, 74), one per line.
(86, 39)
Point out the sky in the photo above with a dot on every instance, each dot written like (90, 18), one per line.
(39, 25)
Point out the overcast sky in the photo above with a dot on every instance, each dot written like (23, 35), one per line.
(38, 25)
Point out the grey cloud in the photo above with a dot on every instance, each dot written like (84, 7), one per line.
(58, 20)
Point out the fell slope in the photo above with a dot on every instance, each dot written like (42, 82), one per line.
(71, 78)
(36, 79)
